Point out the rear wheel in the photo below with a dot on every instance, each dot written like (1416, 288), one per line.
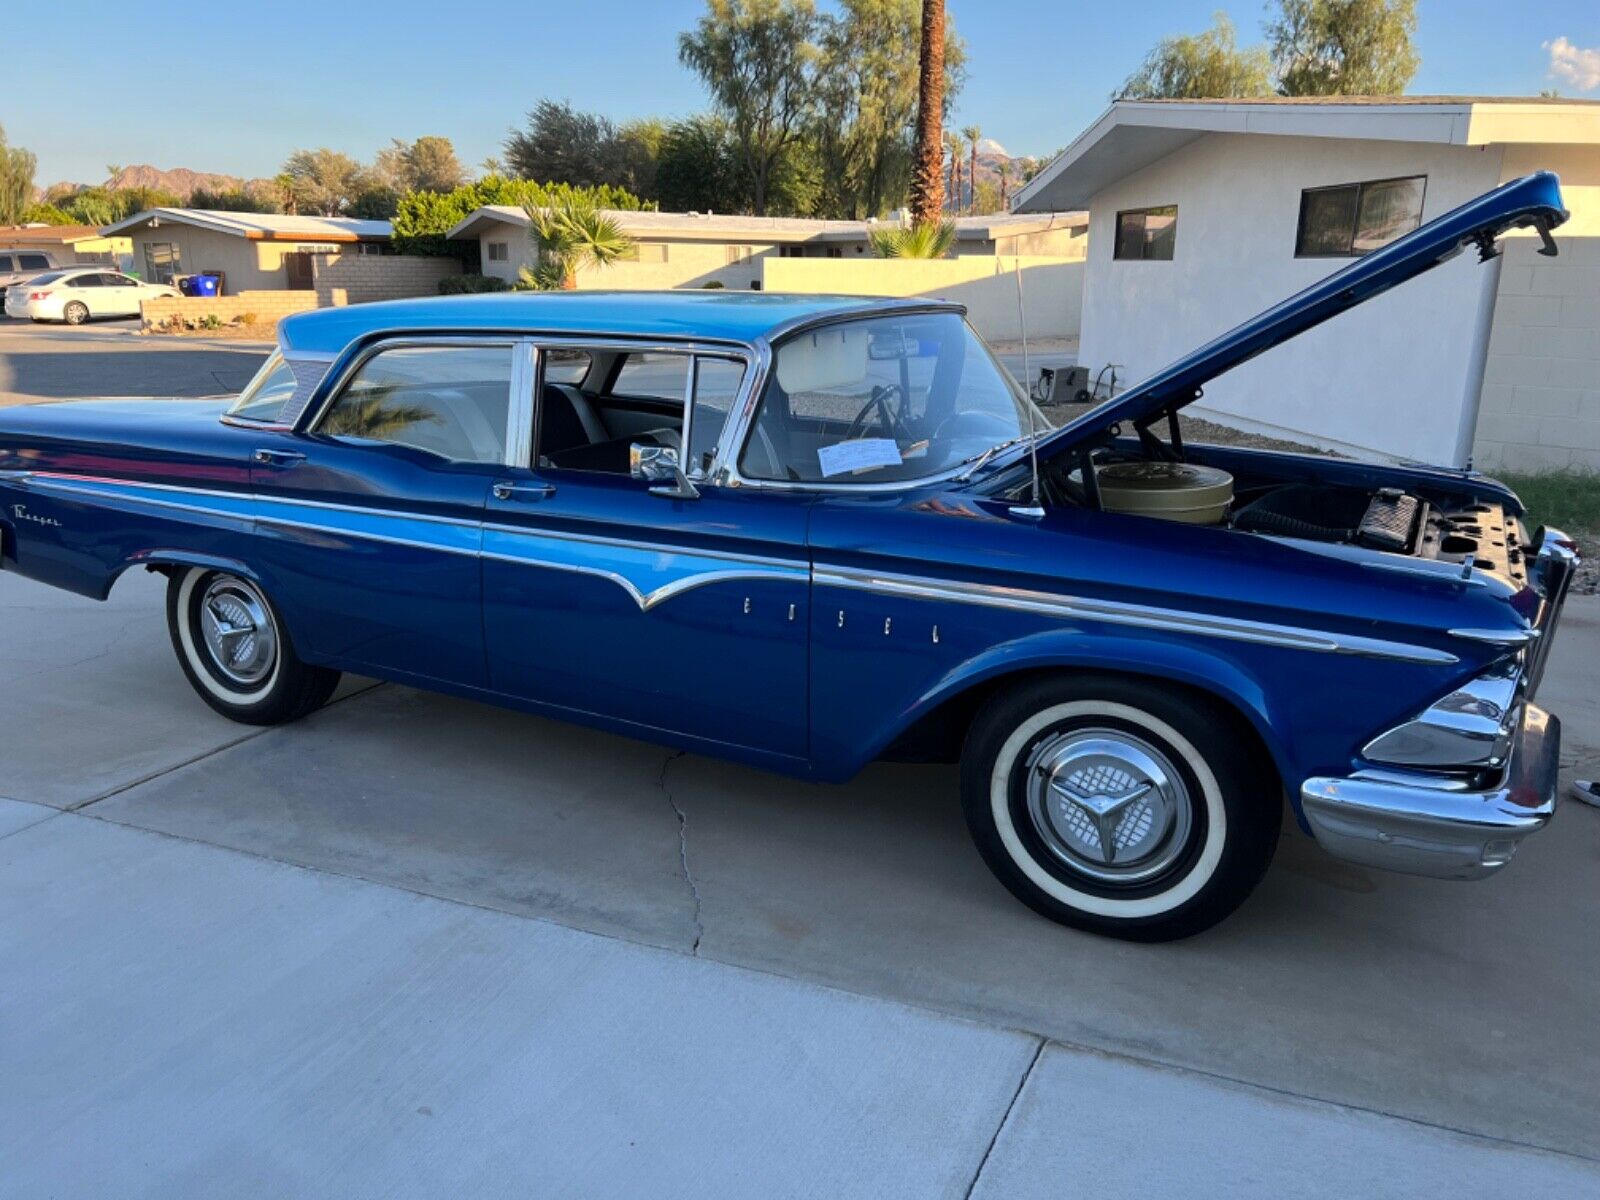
(75, 313)
(232, 646)
(1119, 806)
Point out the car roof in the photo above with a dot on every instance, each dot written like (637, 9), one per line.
(712, 315)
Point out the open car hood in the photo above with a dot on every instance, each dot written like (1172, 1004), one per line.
(1534, 200)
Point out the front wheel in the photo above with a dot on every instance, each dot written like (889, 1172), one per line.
(1119, 806)
(232, 646)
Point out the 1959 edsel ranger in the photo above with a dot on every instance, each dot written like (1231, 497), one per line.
(807, 533)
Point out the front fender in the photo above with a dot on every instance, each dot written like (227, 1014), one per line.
(1212, 672)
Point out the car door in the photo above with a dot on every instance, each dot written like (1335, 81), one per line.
(120, 296)
(88, 290)
(603, 593)
(370, 518)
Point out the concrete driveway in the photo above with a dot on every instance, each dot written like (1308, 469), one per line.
(795, 990)
(111, 358)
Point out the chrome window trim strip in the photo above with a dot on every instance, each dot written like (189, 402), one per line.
(1114, 612)
(1498, 637)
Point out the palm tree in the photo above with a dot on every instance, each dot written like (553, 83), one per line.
(953, 140)
(927, 184)
(931, 239)
(571, 234)
(972, 133)
(1005, 184)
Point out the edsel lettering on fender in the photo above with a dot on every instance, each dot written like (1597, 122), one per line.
(806, 533)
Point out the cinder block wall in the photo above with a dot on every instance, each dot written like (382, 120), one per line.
(267, 307)
(1540, 407)
(357, 278)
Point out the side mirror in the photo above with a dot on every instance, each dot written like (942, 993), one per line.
(661, 464)
(655, 463)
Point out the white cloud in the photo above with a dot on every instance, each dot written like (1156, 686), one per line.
(1574, 65)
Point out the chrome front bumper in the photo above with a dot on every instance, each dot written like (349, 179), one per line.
(1419, 825)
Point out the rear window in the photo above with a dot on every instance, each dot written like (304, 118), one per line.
(47, 277)
(33, 262)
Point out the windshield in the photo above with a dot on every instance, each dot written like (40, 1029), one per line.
(883, 400)
(264, 396)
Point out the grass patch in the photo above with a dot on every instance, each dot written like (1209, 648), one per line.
(1569, 500)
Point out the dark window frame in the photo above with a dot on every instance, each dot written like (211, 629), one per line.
(1144, 241)
(1355, 222)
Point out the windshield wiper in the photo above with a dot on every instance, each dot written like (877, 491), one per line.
(976, 462)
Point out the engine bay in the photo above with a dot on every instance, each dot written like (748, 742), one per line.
(1449, 528)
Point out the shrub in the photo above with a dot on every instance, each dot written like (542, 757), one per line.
(248, 318)
(211, 321)
(459, 285)
(710, 284)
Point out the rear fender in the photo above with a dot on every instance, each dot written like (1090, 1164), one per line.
(156, 559)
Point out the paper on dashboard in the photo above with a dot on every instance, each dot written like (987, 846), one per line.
(858, 454)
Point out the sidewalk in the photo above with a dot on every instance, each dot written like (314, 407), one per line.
(181, 1019)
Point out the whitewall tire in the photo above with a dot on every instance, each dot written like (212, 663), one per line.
(235, 652)
(1120, 806)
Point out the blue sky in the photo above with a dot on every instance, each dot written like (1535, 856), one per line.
(235, 88)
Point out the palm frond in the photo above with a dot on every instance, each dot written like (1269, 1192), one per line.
(932, 239)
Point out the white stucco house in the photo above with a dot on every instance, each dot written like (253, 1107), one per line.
(1203, 213)
(674, 250)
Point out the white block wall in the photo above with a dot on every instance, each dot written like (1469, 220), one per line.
(1541, 385)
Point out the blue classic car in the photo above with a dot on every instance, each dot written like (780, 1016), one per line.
(807, 533)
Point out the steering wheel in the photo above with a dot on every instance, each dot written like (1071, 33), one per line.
(892, 425)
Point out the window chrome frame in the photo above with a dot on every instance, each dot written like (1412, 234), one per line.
(309, 421)
(725, 468)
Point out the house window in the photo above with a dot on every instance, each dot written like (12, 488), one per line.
(499, 252)
(162, 262)
(791, 251)
(375, 248)
(1147, 233)
(836, 252)
(1356, 218)
(739, 254)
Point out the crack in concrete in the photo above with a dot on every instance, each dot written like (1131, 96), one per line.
(983, 1162)
(683, 848)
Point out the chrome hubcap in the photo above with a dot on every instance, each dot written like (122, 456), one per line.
(1108, 804)
(238, 630)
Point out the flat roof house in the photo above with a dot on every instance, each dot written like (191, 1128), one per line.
(693, 249)
(252, 251)
(1203, 213)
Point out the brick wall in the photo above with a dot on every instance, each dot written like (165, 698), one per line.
(1540, 408)
(252, 308)
(357, 278)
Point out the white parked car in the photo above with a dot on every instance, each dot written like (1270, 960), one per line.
(75, 294)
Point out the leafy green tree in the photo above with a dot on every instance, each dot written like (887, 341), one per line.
(1344, 47)
(105, 206)
(930, 239)
(44, 214)
(427, 164)
(699, 169)
(758, 60)
(241, 200)
(325, 182)
(1201, 66)
(560, 144)
(571, 233)
(865, 125)
(16, 181)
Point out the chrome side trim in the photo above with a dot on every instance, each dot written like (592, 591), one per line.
(1112, 612)
(562, 535)
(1498, 637)
(1553, 570)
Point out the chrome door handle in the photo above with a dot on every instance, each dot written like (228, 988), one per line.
(279, 458)
(523, 491)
